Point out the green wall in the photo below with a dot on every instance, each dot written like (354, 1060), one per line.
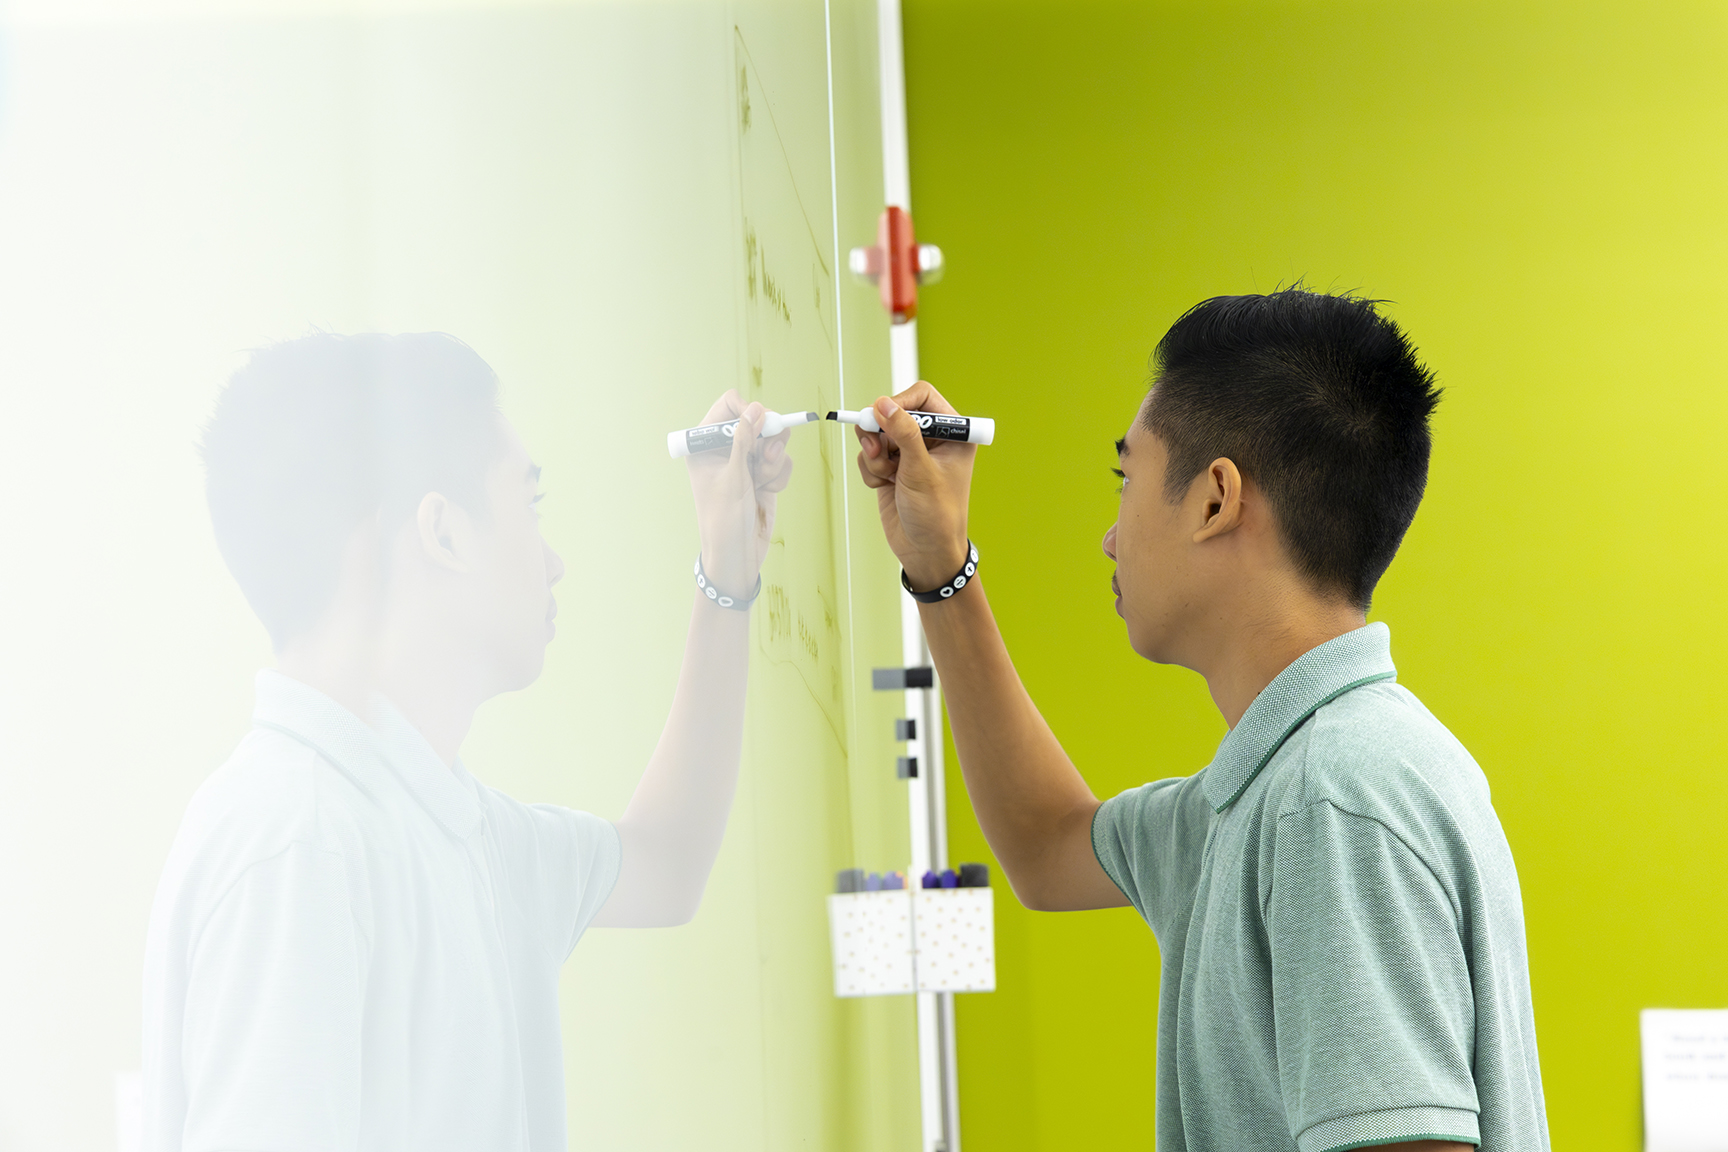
(1540, 191)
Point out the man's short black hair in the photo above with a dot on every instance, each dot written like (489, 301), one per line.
(314, 436)
(1322, 402)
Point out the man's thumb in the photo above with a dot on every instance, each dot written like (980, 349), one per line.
(908, 434)
(744, 438)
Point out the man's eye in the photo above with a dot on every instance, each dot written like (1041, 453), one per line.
(535, 503)
(1117, 472)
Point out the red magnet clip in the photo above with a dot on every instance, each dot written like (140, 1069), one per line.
(897, 264)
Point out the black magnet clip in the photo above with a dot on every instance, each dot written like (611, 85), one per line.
(899, 679)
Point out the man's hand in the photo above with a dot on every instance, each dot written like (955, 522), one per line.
(735, 494)
(921, 489)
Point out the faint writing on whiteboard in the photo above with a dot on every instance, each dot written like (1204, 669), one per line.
(756, 271)
(787, 622)
(1685, 1055)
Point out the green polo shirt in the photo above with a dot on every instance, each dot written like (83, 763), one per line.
(1340, 924)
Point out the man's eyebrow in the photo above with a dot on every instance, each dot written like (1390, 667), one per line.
(1122, 446)
(534, 473)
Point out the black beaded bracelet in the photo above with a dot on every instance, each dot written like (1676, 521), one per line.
(713, 593)
(967, 571)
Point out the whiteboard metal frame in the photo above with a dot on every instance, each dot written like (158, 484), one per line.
(938, 1072)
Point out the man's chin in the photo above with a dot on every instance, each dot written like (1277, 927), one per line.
(527, 668)
(1146, 647)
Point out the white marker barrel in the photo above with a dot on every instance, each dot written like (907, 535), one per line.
(935, 425)
(707, 438)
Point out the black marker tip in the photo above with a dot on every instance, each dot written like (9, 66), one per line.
(833, 415)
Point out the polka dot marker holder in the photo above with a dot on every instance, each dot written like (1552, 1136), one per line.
(896, 941)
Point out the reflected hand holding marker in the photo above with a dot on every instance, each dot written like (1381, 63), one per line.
(737, 463)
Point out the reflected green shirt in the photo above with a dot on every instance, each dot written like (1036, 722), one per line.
(1340, 923)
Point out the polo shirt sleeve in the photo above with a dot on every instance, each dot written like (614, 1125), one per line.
(1149, 840)
(272, 1026)
(568, 866)
(1371, 993)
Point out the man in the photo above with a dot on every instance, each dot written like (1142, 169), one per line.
(1335, 901)
(354, 944)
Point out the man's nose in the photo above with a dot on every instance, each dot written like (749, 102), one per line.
(1110, 542)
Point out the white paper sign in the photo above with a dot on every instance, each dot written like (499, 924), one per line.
(1685, 1080)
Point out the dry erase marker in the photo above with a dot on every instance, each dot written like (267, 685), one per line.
(974, 876)
(712, 437)
(936, 425)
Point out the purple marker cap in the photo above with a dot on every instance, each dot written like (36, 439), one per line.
(950, 878)
(873, 882)
(931, 880)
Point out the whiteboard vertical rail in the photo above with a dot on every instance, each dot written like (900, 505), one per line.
(938, 1072)
(939, 1087)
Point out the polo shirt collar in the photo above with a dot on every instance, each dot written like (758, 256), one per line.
(302, 713)
(1315, 678)
(372, 757)
(447, 791)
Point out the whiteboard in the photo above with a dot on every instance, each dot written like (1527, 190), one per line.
(577, 192)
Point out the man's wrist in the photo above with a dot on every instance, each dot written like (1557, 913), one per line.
(948, 588)
(728, 591)
(926, 574)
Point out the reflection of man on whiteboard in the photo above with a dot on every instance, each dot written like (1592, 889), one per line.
(1339, 917)
(354, 943)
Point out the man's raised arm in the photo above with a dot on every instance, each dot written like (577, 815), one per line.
(1035, 809)
(671, 831)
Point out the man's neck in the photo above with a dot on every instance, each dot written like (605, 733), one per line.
(338, 659)
(438, 700)
(434, 693)
(1261, 641)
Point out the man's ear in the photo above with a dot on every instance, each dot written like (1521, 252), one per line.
(1221, 485)
(437, 523)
